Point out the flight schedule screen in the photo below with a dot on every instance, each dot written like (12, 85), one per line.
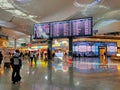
(81, 27)
(63, 29)
(60, 29)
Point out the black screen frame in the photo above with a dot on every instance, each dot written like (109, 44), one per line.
(69, 26)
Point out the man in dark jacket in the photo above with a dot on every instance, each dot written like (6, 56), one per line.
(16, 64)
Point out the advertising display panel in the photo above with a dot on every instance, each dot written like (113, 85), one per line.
(85, 48)
(41, 30)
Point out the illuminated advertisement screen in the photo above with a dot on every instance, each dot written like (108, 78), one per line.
(111, 48)
(60, 29)
(81, 27)
(92, 48)
(41, 30)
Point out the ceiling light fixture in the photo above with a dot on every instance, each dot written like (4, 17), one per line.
(77, 4)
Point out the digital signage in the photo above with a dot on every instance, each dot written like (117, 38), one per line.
(60, 29)
(81, 27)
(63, 29)
(41, 30)
(92, 48)
(111, 48)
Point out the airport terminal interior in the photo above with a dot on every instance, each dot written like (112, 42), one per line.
(59, 44)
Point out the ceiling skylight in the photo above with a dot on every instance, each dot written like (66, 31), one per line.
(23, 1)
(7, 6)
(17, 13)
(4, 4)
(94, 2)
(104, 23)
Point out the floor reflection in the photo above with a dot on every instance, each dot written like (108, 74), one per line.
(86, 65)
(90, 65)
(62, 74)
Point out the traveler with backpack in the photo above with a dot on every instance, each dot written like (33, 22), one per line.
(16, 64)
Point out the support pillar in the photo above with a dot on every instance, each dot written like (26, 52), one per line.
(49, 50)
(70, 46)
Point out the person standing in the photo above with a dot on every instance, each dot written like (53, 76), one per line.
(31, 57)
(16, 64)
(35, 56)
(1, 58)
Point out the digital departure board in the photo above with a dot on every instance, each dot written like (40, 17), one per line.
(81, 27)
(63, 29)
(60, 29)
(41, 30)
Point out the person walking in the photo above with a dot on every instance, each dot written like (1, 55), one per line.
(31, 57)
(1, 58)
(16, 64)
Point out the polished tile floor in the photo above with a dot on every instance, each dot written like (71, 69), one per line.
(81, 74)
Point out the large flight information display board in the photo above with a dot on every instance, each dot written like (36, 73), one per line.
(63, 29)
(60, 29)
(81, 27)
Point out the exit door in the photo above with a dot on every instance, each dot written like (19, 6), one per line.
(102, 55)
(102, 51)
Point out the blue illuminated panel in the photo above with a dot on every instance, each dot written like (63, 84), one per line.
(92, 48)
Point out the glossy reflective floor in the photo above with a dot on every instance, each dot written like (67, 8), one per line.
(81, 74)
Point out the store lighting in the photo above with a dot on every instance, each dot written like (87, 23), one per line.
(118, 55)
